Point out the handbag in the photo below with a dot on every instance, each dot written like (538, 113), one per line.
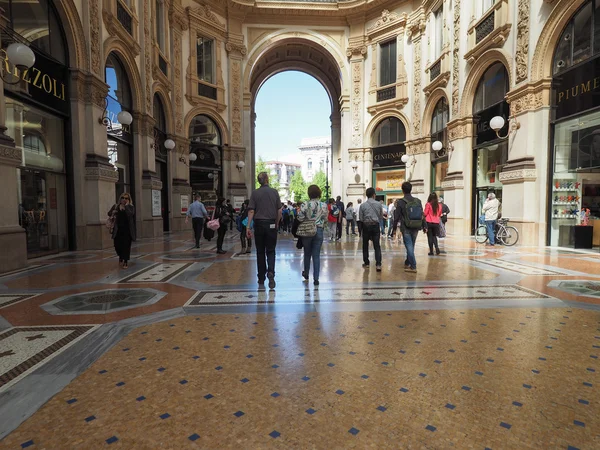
(307, 228)
(110, 222)
(213, 223)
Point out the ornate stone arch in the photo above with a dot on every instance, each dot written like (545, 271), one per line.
(121, 50)
(384, 115)
(74, 34)
(327, 45)
(483, 63)
(432, 101)
(541, 66)
(163, 94)
(200, 110)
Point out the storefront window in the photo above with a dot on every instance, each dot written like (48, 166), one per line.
(161, 160)
(42, 189)
(439, 161)
(205, 138)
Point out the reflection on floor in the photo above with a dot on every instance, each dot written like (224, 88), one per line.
(480, 349)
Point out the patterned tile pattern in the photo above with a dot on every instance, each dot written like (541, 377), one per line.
(399, 294)
(25, 349)
(588, 288)
(454, 379)
(157, 273)
(519, 268)
(11, 299)
(101, 302)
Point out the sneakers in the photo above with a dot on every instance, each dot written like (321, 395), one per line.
(410, 270)
(366, 266)
(378, 268)
(221, 252)
(305, 275)
(316, 282)
(271, 277)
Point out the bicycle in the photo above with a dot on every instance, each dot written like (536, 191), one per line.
(506, 235)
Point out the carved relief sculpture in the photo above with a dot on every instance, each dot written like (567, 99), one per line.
(356, 103)
(522, 55)
(456, 60)
(148, 56)
(236, 94)
(95, 40)
(417, 87)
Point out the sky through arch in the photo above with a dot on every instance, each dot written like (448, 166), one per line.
(290, 106)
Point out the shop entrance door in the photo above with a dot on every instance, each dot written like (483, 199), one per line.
(162, 172)
(480, 196)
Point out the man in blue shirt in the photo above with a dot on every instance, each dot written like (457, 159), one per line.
(198, 213)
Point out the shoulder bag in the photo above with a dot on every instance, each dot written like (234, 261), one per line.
(112, 218)
(213, 224)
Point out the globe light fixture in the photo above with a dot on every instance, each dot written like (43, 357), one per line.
(193, 157)
(125, 118)
(20, 56)
(169, 144)
(240, 165)
(498, 122)
(405, 158)
(437, 146)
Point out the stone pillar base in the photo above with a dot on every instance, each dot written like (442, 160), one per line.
(93, 237)
(13, 243)
(152, 227)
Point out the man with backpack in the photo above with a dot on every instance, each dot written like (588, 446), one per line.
(371, 215)
(341, 209)
(409, 214)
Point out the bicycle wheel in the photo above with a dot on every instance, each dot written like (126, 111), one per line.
(481, 234)
(509, 236)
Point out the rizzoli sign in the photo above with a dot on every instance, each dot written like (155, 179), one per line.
(44, 82)
(577, 90)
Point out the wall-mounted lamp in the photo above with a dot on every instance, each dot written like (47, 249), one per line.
(20, 56)
(439, 149)
(192, 157)
(124, 118)
(354, 164)
(497, 123)
(168, 144)
(409, 162)
(240, 165)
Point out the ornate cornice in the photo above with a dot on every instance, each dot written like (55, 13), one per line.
(236, 48)
(454, 181)
(205, 18)
(530, 97)
(518, 176)
(88, 88)
(460, 128)
(359, 50)
(390, 23)
(10, 156)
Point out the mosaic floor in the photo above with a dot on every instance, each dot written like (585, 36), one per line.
(481, 348)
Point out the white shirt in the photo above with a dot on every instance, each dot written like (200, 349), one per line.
(391, 210)
(357, 211)
(490, 208)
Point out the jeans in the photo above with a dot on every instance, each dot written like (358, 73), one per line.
(312, 249)
(433, 230)
(332, 230)
(382, 224)
(198, 226)
(491, 231)
(221, 236)
(348, 223)
(410, 239)
(371, 233)
(391, 228)
(246, 242)
(265, 240)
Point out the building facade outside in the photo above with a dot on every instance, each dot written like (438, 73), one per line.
(400, 75)
(283, 172)
(316, 156)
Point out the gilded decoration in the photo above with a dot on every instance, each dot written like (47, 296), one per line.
(10, 156)
(456, 60)
(95, 39)
(522, 54)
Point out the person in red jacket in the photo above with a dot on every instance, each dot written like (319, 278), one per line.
(332, 219)
(433, 213)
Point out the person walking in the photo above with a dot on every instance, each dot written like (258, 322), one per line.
(350, 219)
(313, 210)
(391, 227)
(359, 223)
(371, 215)
(433, 214)
(491, 208)
(285, 213)
(340, 205)
(443, 221)
(122, 218)
(245, 240)
(332, 219)
(383, 221)
(198, 213)
(231, 210)
(409, 214)
(223, 214)
(264, 214)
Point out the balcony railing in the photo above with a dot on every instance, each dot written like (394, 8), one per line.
(484, 28)
(435, 70)
(207, 91)
(124, 18)
(386, 94)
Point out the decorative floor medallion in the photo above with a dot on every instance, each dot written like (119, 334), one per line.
(578, 287)
(102, 302)
(157, 273)
(353, 295)
(519, 268)
(26, 348)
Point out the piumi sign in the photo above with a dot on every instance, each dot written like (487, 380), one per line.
(577, 90)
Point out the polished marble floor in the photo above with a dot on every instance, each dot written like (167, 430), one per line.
(481, 348)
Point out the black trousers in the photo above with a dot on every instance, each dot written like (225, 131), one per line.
(221, 236)
(371, 232)
(198, 226)
(360, 227)
(246, 242)
(339, 229)
(265, 240)
(433, 231)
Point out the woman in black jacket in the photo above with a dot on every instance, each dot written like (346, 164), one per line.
(123, 231)
(224, 215)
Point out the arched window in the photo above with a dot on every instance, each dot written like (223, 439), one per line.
(389, 131)
(205, 138)
(37, 21)
(119, 91)
(492, 88)
(581, 38)
(439, 119)
(159, 114)
(309, 164)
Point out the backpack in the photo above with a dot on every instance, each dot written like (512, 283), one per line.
(413, 214)
(238, 223)
(335, 211)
